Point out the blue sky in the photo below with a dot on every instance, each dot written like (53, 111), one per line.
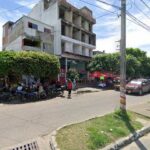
(107, 27)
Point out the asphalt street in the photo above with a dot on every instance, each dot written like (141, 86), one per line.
(26, 121)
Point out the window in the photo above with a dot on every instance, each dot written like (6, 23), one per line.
(31, 43)
(63, 29)
(32, 25)
(62, 13)
(47, 30)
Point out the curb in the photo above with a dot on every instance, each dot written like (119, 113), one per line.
(128, 140)
(53, 143)
(118, 145)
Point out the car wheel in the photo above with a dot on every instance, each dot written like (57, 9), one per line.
(140, 92)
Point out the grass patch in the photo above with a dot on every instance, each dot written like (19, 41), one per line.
(98, 132)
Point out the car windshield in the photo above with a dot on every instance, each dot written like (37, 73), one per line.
(136, 82)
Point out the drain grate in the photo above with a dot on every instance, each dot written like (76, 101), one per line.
(29, 146)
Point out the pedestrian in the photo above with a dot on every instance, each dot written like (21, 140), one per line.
(69, 88)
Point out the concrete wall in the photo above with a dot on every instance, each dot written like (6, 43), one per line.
(20, 30)
(68, 47)
(50, 16)
(77, 20)
(77, 49)
(68, 16)
(87, 52)
(16, 31)
(36, 11)
(16, 45)
(40, 25)
(91, 53)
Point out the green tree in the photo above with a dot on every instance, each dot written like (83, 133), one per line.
(73, 74)
(133, 67)
(39, 64)
(138, 64)
(105, 62)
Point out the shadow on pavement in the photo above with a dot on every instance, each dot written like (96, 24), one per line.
(124, 116)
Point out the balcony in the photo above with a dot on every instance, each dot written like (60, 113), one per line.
(31, 44)
(31, 48)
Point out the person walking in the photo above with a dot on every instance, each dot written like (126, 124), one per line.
(69, 88)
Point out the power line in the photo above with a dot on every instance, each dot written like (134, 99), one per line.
(130, 3)
(137, 21)
(141, 10)
(102, 15)
(134, 19)
(145, 4)
(4, 11)
(98, 6)
(117, 7)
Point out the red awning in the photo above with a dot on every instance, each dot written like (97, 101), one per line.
(98, 74)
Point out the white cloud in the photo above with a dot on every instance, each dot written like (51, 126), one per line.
(27, 3)
(107, 44)
(136, 36)
(1, 26)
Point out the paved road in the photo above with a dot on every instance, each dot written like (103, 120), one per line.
(26, 121)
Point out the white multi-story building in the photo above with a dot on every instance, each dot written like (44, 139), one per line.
(71, 33)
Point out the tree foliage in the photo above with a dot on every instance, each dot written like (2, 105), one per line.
(73, 74)
(38, 64)
(138, 64)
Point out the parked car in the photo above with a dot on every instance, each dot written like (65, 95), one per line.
(138, 86)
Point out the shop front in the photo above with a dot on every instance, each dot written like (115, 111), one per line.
(72, 64)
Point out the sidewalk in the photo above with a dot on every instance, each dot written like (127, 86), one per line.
(144, 142)
(143, 109)
(141, 144)
(86, 90)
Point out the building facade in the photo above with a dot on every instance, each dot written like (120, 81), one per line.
(28, 34)
(72, 30)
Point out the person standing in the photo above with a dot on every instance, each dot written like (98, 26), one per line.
(69, 88)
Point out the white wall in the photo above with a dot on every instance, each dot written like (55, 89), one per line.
(48, 16)
(15, 45)
(36, 11)
(40, 25)
(87, 52)
(57, 38)
(68, 47)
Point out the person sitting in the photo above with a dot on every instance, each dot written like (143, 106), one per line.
(19, 88)
(41, 91)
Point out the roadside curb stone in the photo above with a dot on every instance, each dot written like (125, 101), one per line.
(118, 145)
(128, 140)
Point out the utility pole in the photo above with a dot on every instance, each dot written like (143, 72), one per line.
(123, 57)
(117, 45)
